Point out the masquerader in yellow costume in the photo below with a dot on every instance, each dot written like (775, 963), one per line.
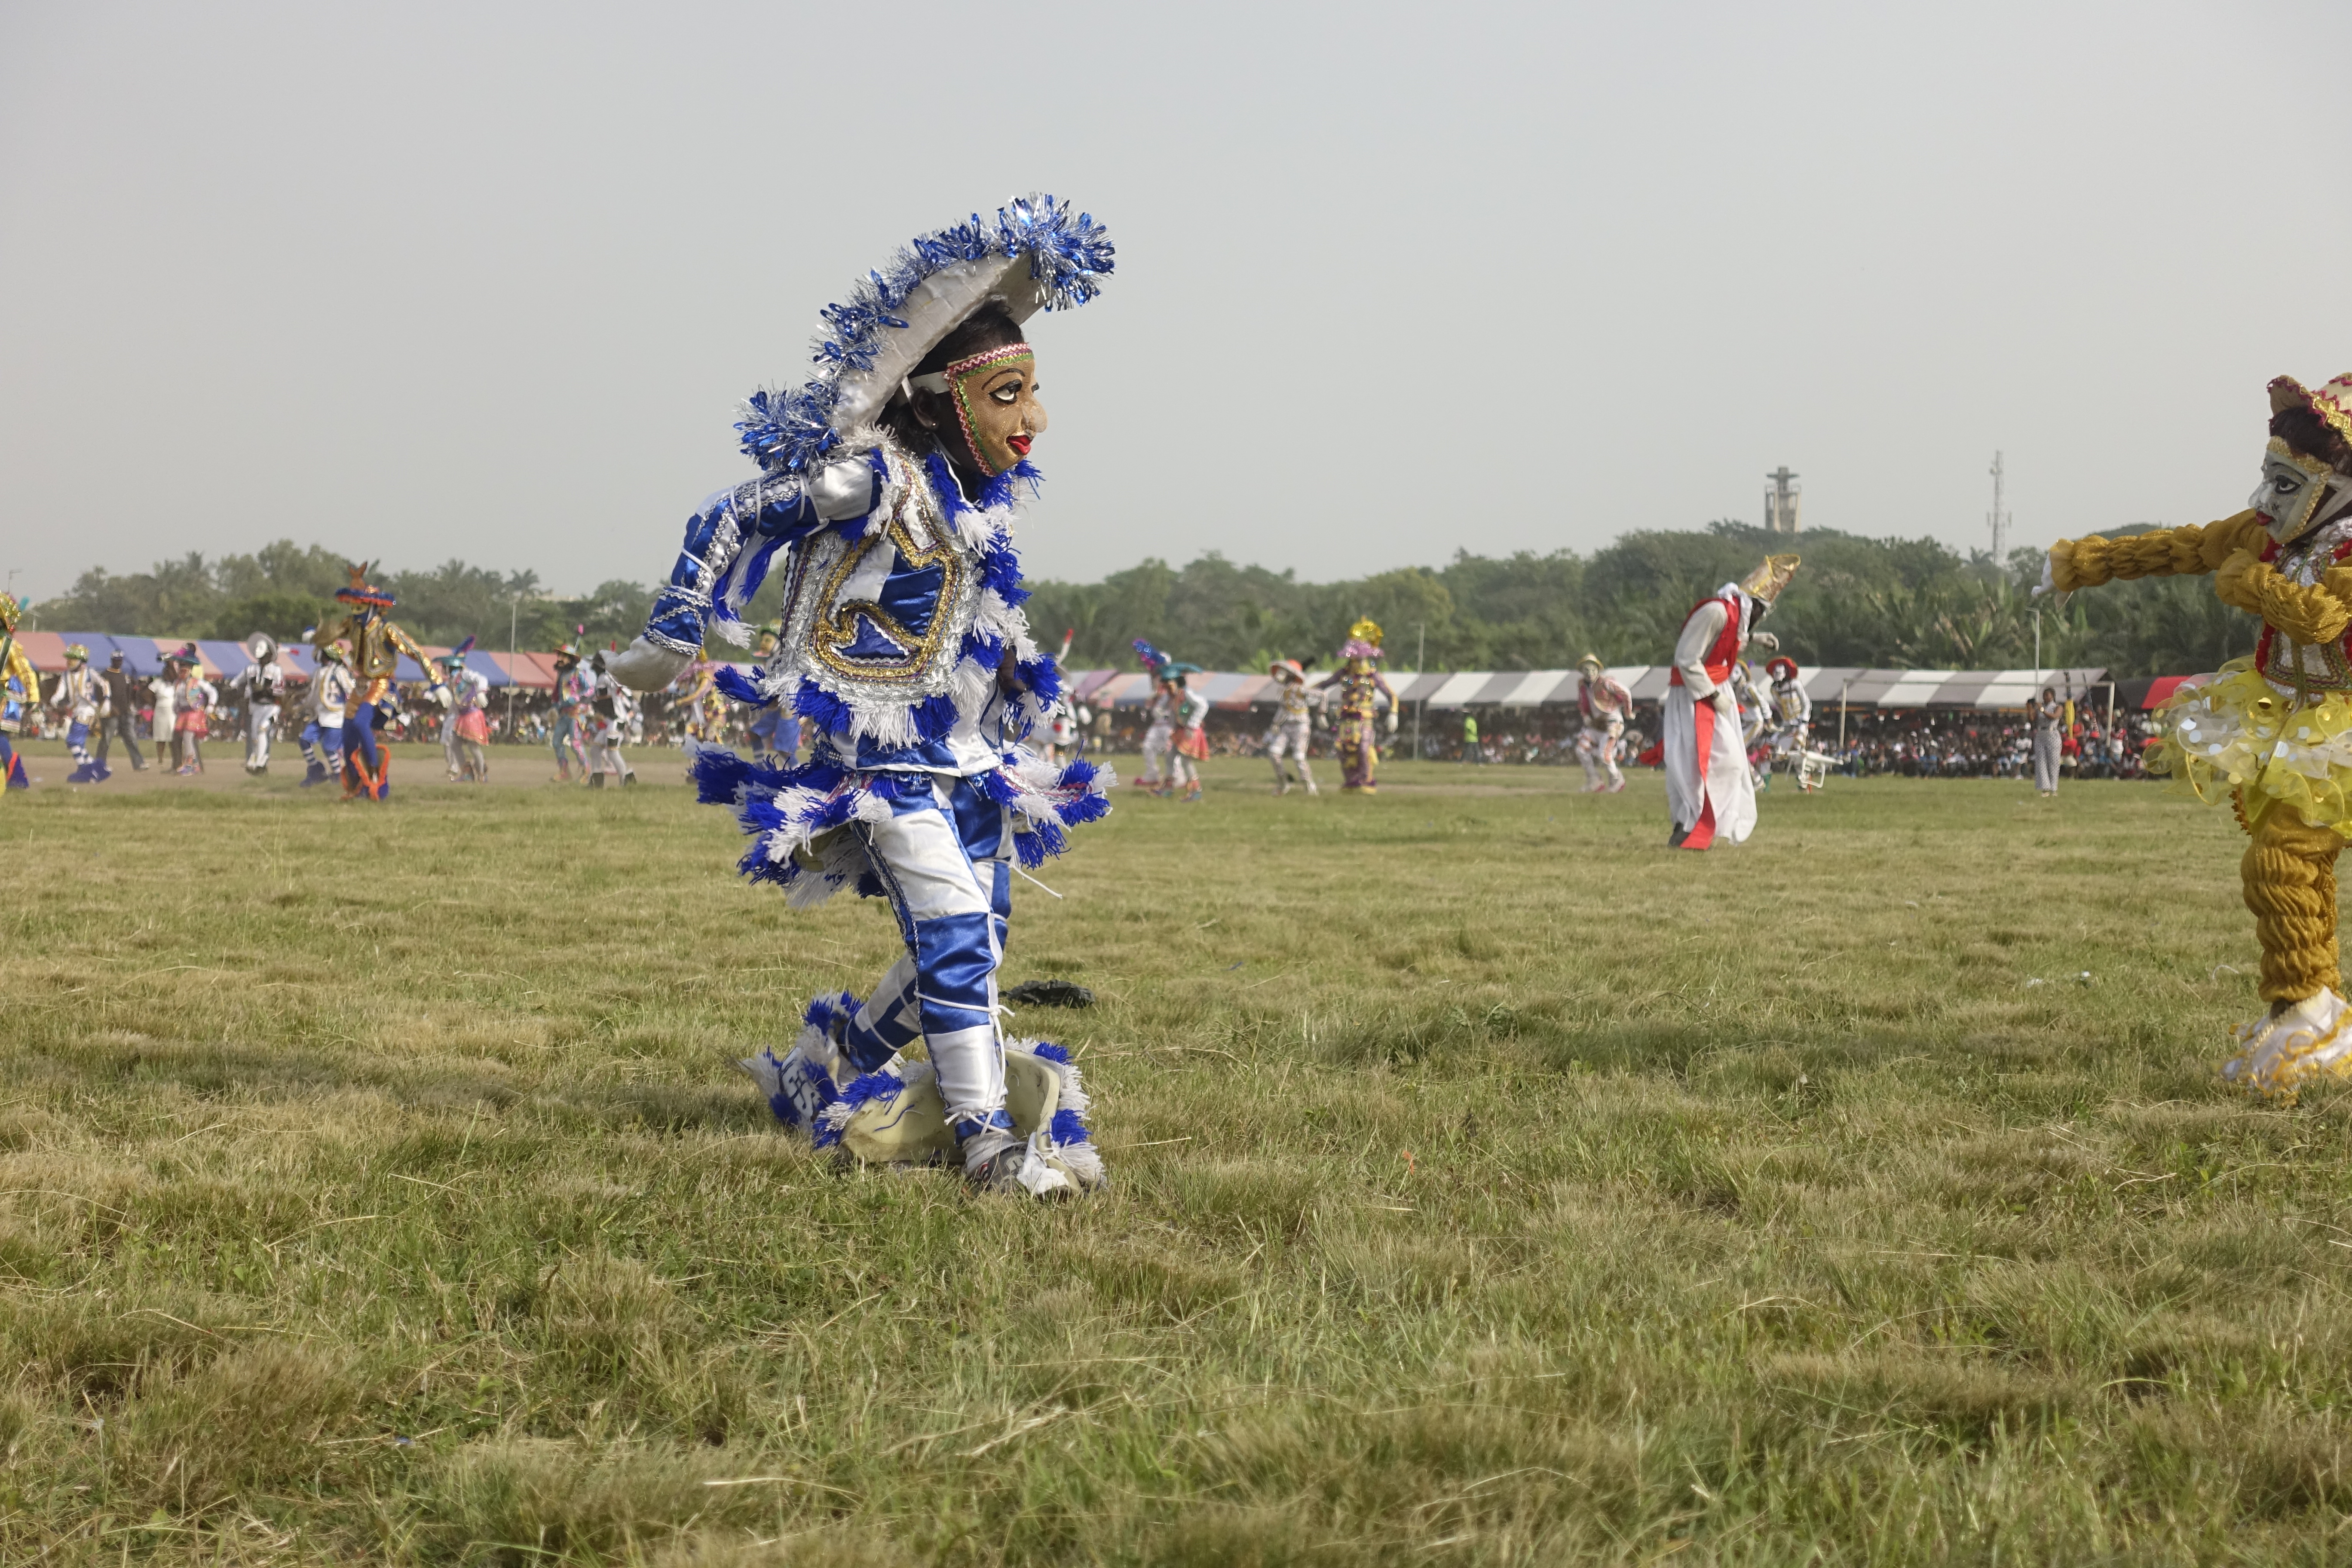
(20, 693)
(1364, 695)
(2272, 734)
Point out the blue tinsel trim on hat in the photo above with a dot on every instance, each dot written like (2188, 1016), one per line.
(1067, 252)
(1068, 1126)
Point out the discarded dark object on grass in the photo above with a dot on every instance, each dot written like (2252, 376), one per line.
(1050, 994)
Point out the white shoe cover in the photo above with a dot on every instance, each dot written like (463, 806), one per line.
(2278, 1054)
(897, 1118)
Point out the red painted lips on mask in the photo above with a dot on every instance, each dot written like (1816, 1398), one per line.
(1020, 443)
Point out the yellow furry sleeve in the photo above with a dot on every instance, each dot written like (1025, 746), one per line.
(2172, 551)
(2308, 616)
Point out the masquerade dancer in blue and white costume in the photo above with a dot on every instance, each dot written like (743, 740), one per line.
(887, 486)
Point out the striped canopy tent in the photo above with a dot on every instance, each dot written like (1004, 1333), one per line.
(525, 671)
(226, 656)
(2148, 691)
(499, 669)
(47, 649)
(145, 655)
(1124, 688)
(221, 659)
(1980, 690)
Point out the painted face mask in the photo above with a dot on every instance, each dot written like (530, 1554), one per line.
(2293, 491)
(996, 404)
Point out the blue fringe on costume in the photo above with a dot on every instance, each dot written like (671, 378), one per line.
(883, 1083)
(736, 687)
(793, 814)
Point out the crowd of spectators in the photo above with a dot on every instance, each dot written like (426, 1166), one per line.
(1912, 744)
(1931, 744)
(516, 715)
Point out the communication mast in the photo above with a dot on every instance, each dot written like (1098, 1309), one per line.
(1999, 517)
(1780, 502)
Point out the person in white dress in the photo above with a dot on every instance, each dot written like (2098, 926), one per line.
(164, 726)
(1710, 791)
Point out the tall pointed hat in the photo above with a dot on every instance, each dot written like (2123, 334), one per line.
(1767, 581)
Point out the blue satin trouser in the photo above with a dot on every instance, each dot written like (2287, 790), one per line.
(944, 858)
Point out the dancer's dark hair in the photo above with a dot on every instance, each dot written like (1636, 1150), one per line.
(990, 327)
(2308, 433)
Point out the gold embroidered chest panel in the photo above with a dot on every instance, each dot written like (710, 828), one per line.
(881, 617)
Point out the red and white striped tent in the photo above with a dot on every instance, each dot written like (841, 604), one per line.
(1857, 688)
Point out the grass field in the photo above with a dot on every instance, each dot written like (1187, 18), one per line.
(1491, 1185)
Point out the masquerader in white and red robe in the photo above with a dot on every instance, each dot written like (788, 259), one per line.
(1709, 790)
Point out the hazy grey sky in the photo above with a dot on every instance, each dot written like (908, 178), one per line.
(487, 280)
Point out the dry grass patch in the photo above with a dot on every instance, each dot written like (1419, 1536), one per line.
(1489, 1187)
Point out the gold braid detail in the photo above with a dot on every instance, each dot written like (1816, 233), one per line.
(2187, 552)
(407, 645)
(2289, 880)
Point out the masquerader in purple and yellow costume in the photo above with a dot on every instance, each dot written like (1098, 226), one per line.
(376, 645)
(2272, 734)
(1364, 695)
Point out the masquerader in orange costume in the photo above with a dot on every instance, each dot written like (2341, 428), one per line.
(376, 647)
(2272, 734)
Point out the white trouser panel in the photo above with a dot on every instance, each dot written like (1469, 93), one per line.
(943, 858)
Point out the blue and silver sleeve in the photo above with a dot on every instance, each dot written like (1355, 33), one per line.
(730, 542)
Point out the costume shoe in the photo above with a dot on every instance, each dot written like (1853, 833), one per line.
(2285, 1050)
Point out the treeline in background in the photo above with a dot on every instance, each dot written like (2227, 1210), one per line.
(1881, 603)
(284, 588)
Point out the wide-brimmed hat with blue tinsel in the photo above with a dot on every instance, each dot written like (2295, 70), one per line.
(1039, 254)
